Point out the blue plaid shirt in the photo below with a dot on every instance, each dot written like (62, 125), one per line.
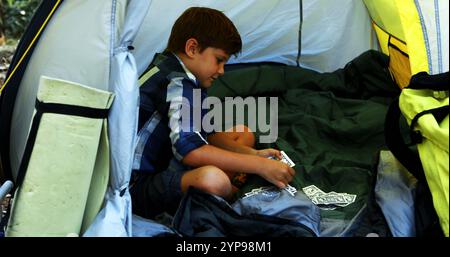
(162, 134)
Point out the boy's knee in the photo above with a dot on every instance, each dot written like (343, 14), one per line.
(213, 180)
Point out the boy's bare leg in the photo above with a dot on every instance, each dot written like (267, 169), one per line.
(212, 179)
(209, 179)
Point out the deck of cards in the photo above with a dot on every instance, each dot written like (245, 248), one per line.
(285, 158)
(271, 189)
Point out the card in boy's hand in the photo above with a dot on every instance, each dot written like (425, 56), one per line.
(286, 159)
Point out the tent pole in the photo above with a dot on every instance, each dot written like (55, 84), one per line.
(300, 32)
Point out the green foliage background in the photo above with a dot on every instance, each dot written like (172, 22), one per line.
(15, 16)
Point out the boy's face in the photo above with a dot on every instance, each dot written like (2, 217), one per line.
(208, 65)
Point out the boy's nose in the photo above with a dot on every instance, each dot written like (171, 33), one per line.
(221, 70)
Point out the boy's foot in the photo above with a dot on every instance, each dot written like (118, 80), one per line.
(239, 179)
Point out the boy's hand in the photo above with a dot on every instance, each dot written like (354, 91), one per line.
(269, 152)
(277, 173)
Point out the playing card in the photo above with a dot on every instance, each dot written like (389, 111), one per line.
(259, 190)
(286, 159)
(291, 190)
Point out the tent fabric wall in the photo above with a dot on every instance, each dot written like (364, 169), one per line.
(115, 218)
(101, 23)
(58, 44)
(270, 30)
(417, 25)
(333, 33)
(386, 15)
(433, 17)
(414, 39)
(397, 50)
(18, 65)
(387, 24)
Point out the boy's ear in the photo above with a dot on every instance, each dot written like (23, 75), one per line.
(191, 47)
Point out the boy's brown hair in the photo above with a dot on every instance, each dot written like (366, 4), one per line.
(210, 27)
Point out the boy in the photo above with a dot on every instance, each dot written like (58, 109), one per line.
(169, 157)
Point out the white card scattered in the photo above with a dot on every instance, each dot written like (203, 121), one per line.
(291, 190)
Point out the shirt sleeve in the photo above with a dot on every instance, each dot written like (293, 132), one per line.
(185, 116)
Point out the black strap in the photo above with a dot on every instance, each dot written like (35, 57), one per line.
(394, 140)
(439, 114)
(42, 108)
(438, 82)
(73, 110)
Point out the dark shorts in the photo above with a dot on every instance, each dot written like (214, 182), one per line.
(155, 193)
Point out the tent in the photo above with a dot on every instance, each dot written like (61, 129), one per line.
(108, 44)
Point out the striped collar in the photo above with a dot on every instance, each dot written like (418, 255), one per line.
(188, 72)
